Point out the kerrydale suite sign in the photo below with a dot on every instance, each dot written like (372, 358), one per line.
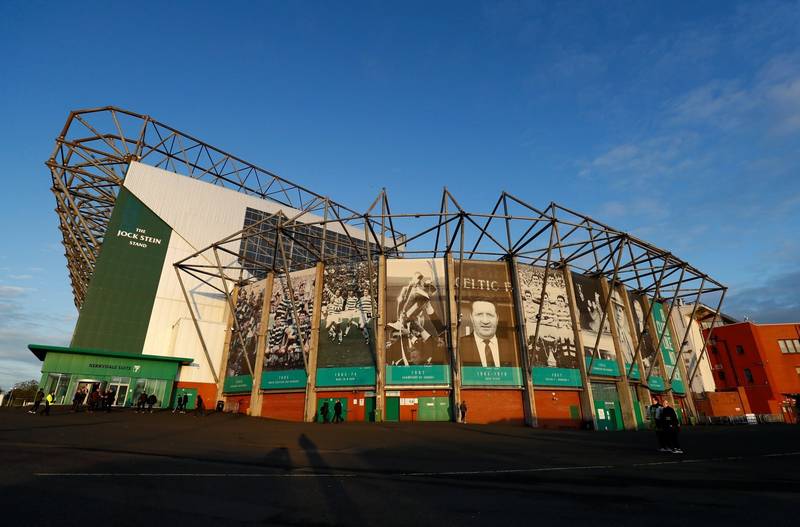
(138, 238)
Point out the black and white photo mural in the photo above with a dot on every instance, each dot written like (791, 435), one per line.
(247, 315)
(552, 350)
(415, 326)
(346, 349)
(589, 300)
(289, 335)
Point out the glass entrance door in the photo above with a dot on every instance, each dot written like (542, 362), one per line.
(122, 393)
(119, 391)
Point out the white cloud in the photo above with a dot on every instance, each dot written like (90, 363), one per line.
(10, 291)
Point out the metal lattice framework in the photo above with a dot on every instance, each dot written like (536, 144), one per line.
(91, 158)
(553, 237)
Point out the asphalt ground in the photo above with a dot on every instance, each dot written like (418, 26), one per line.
(124, 468)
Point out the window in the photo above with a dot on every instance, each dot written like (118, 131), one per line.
(748, 375)
(739, 350)
(789, 346)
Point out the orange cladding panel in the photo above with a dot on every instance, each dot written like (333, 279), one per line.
(555, 408)
(207, 390)
(494, 406)
(283, 406)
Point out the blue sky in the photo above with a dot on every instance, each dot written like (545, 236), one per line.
(677, 121)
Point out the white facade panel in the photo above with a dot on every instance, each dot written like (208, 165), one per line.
(199, 214)
(704, 378)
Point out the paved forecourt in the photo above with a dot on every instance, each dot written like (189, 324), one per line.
(124, 468)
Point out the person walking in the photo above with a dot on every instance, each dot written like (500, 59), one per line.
(654, 411)
(109, 400)
(141, 402)
(48, 400)
(670, 426)
(185, 403)
(324, 411)
(151, 401)
(76, 401)
(94, 400)
(200, 407)
(178, 404)
(337, 412)
(462, 408)
(37, 401)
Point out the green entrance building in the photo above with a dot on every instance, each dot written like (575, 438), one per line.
(65, 370)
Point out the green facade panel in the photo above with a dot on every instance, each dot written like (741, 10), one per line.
(283, 379)
(93, 366)
(605, 367)
(426, 374)
(116, 312)
(543, 376)
(346, 376)
(480, 376)
(238, 384)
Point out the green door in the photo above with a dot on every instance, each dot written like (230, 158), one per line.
(434, 409)
(331, 405)
(637, 409)
(392, 408)
(191, 402)
(369, 409)
(444, 410)
(609, 415)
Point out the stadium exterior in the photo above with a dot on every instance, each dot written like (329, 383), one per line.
(196, 272)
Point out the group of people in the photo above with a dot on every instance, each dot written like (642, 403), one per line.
(288, 339)
(96, 400)
(325, 411)
(146, 402)
(182, 404)
(346, 301)
(664, 420)
(554, 344)
(249, 305)
(344, 312)
(42, 398)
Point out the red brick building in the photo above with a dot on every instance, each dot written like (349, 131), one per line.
(760, 361)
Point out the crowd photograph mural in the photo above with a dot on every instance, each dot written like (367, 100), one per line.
(289, 337)
(552, 349)
(247, 315)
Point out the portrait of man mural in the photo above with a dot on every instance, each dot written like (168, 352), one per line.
(487, 329)
(484, 347)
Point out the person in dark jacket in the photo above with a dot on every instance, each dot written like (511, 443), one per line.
(178, 404)
(324, 411)
(654, 412)
(337, 412)
(141, 402)
(185, 403)
(37, 401)
(670, 426)
(109, 400)
(200, 406)
(151, 402)
(462, 409)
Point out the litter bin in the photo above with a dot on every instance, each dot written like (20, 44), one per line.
(220, 406)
